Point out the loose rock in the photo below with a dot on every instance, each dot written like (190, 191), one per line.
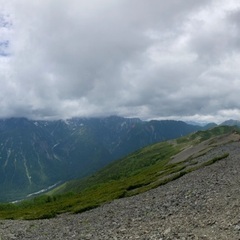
(204, 204)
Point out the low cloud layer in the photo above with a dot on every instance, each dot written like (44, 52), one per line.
(138, 58)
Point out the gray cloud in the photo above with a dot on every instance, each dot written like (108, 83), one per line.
(150, 59)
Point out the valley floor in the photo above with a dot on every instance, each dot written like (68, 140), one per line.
(204, 204)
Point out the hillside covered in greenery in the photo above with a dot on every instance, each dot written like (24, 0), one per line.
(35, 155)
(143, 170)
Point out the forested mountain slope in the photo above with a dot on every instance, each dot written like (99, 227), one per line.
(35, 155)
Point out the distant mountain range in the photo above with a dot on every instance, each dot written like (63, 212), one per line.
(231, 122)
(37, 154)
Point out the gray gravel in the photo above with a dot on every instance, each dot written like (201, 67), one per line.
(204, 204)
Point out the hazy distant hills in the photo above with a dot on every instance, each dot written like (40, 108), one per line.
(37, 154)
(231, 122)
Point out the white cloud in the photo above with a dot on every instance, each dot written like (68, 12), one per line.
(151, 59)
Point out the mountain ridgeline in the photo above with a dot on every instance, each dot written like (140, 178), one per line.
(37, 154)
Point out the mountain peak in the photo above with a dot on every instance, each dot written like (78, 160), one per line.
(231, 122)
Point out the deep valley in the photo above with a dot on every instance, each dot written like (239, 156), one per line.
(37, 154)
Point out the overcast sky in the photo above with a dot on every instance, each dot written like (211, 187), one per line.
(153, 59)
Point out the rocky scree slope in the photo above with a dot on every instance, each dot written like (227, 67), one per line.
(203, 204)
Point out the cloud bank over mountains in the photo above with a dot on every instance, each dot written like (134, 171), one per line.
(148, 59)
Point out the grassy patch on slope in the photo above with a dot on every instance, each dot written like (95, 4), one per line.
(114, 181)
(200, 136)
(138, 172)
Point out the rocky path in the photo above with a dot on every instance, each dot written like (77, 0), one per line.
(204, 204)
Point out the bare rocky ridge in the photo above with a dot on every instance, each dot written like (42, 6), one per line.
(204, 204)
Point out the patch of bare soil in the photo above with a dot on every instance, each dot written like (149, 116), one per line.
(203, 147)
